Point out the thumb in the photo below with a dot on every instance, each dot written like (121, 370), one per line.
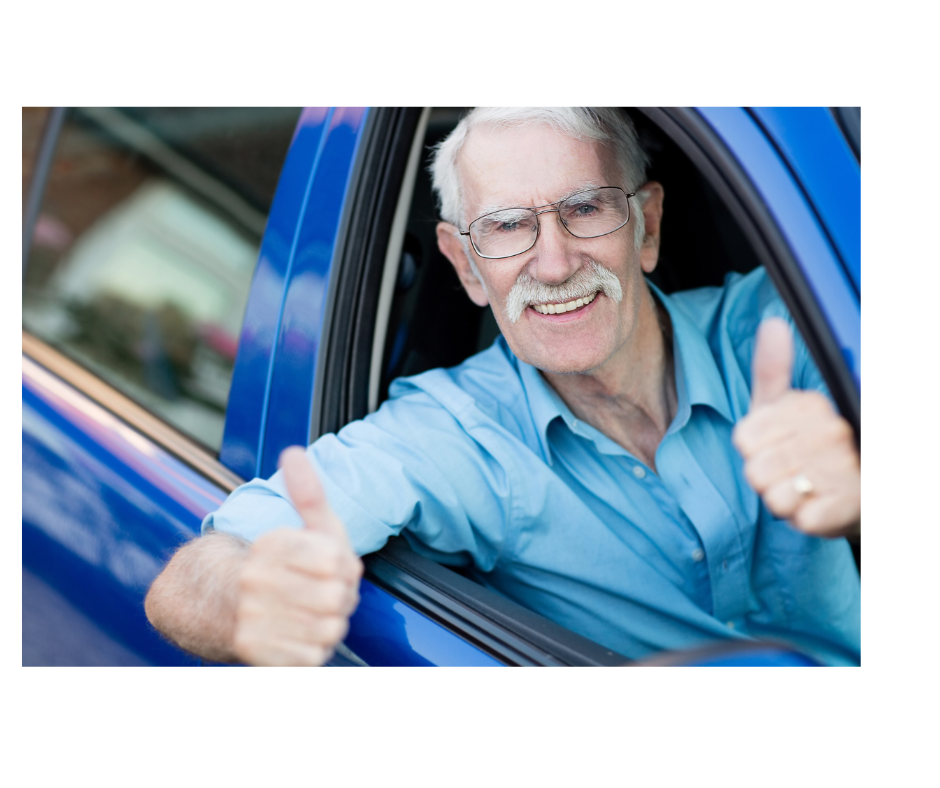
(772, 368)
(306, 492)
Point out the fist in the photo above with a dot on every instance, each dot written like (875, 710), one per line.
(799, 453)
(297, 588)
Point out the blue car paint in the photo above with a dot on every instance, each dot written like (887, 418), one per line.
(290, 402)
(385, 631)
(254, 362)
(819, 155)
(103, 509)
(138, 502)
(787, 203)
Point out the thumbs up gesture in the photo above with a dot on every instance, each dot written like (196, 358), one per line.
(799, 454)
(297, 588)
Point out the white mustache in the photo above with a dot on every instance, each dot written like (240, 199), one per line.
(586, 281)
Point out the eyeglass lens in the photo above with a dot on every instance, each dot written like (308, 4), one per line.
(586, 214)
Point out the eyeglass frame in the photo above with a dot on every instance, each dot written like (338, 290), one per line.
(538, 224)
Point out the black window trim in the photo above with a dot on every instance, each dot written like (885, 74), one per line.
(849, 120)
(493, 623)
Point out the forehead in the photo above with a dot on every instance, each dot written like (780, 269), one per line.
(528, 165)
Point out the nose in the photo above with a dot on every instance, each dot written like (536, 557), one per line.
(556, 257)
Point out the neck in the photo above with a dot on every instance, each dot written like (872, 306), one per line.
(631, 398)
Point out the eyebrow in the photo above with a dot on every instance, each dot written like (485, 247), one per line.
(494, 207)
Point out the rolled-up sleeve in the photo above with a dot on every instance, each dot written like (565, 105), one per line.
(412, 464)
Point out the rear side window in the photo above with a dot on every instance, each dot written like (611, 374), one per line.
(144, 249)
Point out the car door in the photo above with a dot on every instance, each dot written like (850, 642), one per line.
(311, 354)
(150, 393)
(141, 234)
(772, 220)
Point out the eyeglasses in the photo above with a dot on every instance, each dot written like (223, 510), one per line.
(588, 214)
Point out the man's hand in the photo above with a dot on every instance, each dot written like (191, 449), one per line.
(799, 454)
(297, 588)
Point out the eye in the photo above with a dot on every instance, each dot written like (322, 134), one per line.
(504, 223)
(582, 209)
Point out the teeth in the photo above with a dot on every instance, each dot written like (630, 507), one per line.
(557, 309)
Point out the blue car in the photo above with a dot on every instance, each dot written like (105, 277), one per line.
(203, 287)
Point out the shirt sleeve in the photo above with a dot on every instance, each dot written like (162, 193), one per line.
(751, 299)
(412, 464)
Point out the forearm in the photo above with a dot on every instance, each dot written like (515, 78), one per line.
(193, 601)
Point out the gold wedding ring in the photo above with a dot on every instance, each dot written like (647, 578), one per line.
(802, 485)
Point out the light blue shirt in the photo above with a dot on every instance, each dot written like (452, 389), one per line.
(483, 465)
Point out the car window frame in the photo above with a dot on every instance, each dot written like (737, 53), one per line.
(177, 443)
(467, 608)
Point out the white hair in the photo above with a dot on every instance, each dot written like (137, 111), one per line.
(607, 125)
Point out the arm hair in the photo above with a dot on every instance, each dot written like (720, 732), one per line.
(193, 600)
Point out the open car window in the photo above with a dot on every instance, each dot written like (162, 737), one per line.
(144, 246)
(430, 322)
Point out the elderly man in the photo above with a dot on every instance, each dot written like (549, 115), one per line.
(621, 461)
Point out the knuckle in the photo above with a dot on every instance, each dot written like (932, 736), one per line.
(331, 558)
(270, 541)
(816, 402)
(842, 431)
(754, 474)
(250, 579)
(351, 601)
(806, 520)
(334, 629)
(276, 547)
(246, 647)
(772, 500)
(778, 502)
(330, 597)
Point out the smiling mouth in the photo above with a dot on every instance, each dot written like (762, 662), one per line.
(561, 308)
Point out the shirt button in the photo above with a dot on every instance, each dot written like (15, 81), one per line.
(698, 554)
(730, 625)
(639, 472)
(724, 565)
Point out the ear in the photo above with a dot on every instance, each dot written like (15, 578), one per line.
(448, 241)
(653, 218)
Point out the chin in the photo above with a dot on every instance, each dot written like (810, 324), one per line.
(567, 369)
(565, 362)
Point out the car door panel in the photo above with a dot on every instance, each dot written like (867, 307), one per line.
(819, 263)
(103, 509)
(818, 154)
(107, 500)
(245, 419)
(305, 307)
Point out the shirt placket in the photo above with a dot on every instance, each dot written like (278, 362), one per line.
(716, 524)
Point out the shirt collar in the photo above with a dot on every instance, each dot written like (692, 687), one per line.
(698, 380)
